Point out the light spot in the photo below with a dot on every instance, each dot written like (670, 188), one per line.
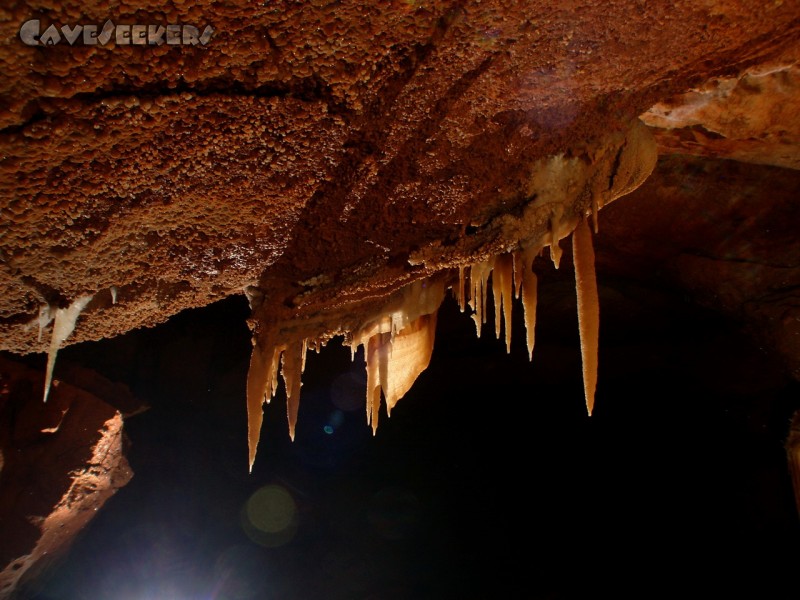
(269, 517)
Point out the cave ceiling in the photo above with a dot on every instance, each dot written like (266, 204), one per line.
(328, 152)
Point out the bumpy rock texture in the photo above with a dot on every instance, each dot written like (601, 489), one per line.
(313, 145)
(750, 118)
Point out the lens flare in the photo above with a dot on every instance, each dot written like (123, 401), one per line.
(269, 517)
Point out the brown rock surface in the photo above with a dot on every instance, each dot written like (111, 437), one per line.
(316, 140)
(754, 117)
(722, 231)
(62, 461)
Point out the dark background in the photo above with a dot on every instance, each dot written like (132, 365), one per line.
(488, 480)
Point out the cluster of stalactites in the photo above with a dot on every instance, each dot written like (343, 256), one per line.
(512, 273)
(394, 361)
(398, 343)
(511, 276)
(65, 320)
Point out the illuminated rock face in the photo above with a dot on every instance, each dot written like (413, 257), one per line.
(63, 461)
(752, 117)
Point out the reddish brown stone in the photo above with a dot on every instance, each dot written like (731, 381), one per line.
(311, 140)
(725, 233)
(61, 462)
(753, 117)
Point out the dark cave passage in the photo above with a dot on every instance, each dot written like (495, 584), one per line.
(488, 479)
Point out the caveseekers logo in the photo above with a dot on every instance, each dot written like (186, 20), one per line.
(123, 35)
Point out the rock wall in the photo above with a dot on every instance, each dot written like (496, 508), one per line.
(61, 463)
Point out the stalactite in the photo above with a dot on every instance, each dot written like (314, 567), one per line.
(65, 320)
(398, 346)
(519, 267)
(292, 366)
(262, 383)
(529, 298)
(511, 274)
(588, 307)
(398, 341)
(256, 394)
(372, 351)
(410, 354)
(502, 290)
(478, 283)
(394, 362)
(555, 236)
(460, 290)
